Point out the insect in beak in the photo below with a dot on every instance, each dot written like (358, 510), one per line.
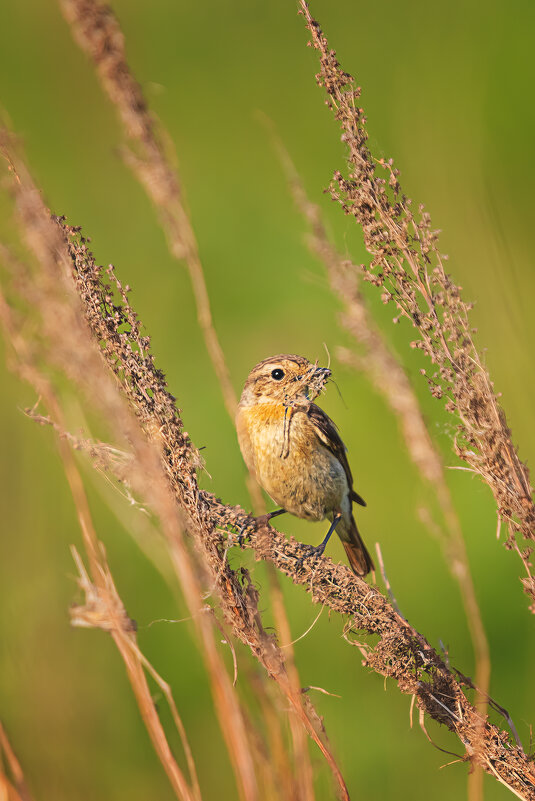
(317, 382)
(323, 371)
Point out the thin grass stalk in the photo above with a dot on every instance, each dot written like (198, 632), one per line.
(408, 267)
(13, 786)
(126, 357)
(302, 764)
(109, 612)
(82, 362)
(386, 373)
(104, 608)
(282, 767)
(98, 33)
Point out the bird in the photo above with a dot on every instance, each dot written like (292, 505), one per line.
(293, 449)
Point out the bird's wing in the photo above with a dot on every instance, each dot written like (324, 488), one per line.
(328, 435)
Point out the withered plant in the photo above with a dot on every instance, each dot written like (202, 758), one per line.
(408, 267)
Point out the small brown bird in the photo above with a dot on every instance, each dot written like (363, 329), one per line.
(295, 452)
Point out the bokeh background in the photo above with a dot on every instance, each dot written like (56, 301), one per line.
(447, 88)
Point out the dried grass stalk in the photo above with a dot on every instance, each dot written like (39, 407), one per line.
(115, 327)
(13, 785)
(52, 293)
(409, 269)
(103, 607)
(404, 655)
(386, 373)
(98, 33)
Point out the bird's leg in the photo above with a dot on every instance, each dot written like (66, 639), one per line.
(319, 549)
(262, 520)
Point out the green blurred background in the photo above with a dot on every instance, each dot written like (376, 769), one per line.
(447, 89)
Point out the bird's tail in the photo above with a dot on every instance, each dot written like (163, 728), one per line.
(357, 553)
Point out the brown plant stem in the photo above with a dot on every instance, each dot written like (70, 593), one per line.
(402, 654)
(388, 376)
(386, 373)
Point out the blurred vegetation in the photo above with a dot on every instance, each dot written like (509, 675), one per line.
(447, 91)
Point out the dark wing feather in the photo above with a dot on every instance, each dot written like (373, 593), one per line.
(357, 498)
(328, 435)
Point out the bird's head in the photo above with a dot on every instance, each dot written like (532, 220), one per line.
(286, 379)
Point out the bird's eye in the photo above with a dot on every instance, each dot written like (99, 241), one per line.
(277, 374)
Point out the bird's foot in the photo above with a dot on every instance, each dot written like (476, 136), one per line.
(311, 551)
(243, 530)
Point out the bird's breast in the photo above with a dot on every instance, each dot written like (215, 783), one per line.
(280, 446)
(260, 432)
